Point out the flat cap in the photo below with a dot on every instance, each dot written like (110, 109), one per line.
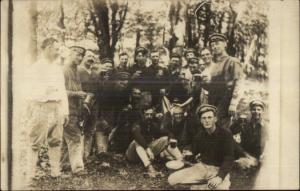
(256, 102)
(143, 50)
(206, 108)
(190, 50)
(79, 49)
(175, 55)
(217, 37)
(122, 76)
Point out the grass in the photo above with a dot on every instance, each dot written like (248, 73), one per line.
(121, 175)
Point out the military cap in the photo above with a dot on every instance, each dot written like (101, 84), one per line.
(122, 76)
(106, 60)
(190, 50)
(143, 50)
(175, 55)
(195, 59)
(256, 102)
(205, 108)
(79, 49)
(217, 37)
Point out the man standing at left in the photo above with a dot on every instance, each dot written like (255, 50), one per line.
(72, 136)
(47, 109)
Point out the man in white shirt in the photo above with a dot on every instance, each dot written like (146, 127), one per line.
(47, 110)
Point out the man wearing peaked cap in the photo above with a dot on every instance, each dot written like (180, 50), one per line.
(253, 136)
(214, 147)
(72, 135)
(256, 102)
(205, 108)
(142, 50)
(78, 49)
(217, 37)
(224, 79)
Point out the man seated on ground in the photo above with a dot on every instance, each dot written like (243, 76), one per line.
(253, 136)
(182, 130)
(149, 141)
(213, 146)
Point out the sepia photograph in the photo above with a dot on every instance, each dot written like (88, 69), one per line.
(149, 94)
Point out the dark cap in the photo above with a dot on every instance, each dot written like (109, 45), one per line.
(79, 49)
(122, 76)
(217, 37)
(194, 59)
(206, 108)
(143, 50)
(256, 102)
(175, 55)
(190, 50)
(106, 60)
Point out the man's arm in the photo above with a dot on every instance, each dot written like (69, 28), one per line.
(228, 158)
(138, 137)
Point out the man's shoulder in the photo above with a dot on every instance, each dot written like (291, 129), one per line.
(225, 132)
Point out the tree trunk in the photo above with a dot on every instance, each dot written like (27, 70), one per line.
(33, 31)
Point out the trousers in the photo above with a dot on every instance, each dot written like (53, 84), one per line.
(72, 147)
(45, 124)
(136, 153)
(197, 174)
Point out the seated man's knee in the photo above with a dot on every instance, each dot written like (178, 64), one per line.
(174, 179)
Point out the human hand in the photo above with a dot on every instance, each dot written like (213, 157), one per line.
(81, 94)
(159, 115)
(65, 120)
(232, 110)
(214, 182)
(136, 74)
(150, 153)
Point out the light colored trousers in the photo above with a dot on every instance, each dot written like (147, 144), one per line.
(196, 174)
(135, 152)
(45, 124)
(72, 147)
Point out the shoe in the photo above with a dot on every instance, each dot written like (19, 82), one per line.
(80, 173)
(151, 171)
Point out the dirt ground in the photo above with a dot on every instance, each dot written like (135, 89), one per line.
(114, 172)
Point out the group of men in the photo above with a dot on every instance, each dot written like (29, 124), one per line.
(145, 111)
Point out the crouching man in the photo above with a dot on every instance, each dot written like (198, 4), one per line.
(148, 141)
(213, 147)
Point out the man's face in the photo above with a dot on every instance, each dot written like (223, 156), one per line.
(206, 56)
(53, 50)
(174, 63)
(190, 55)
(218, 47)
(193, 66)
(155, 57)
(178, 116)
(202, 66)
(141, 59)
(107, 70)
(136, 95)
(148, 114)
(257, 112)
(123, 60)
(88, 64)
(76, 57)
(208, 119)
(237, 138)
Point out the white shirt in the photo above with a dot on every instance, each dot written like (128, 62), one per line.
(45, 82)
